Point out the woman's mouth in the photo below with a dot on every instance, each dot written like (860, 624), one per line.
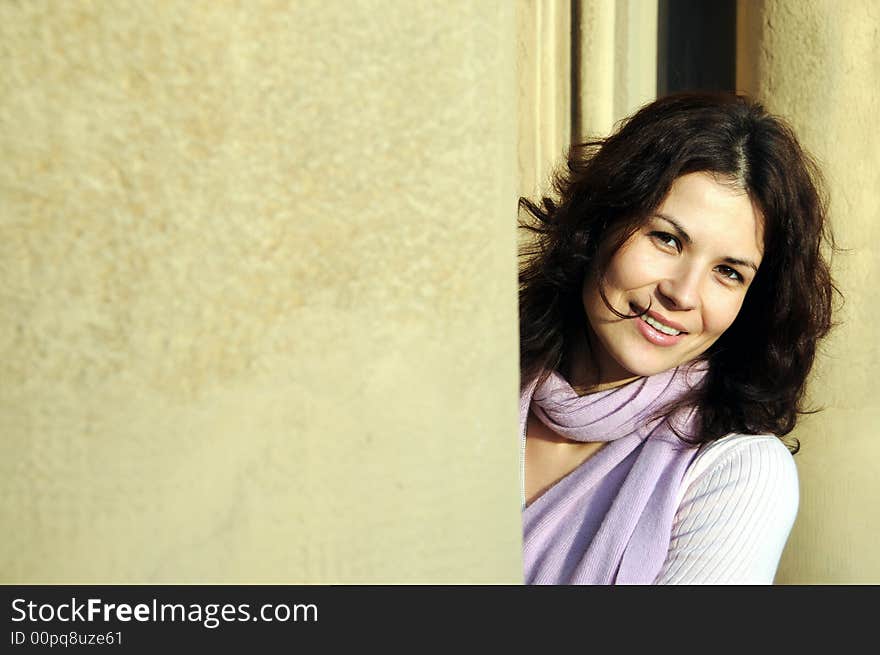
(656, 331)
(657, 325)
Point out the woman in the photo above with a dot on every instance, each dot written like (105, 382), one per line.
(670, 307)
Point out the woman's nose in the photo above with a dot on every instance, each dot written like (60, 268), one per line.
(681, 290)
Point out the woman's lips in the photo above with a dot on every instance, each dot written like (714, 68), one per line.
(654, 335)
(657, 337)
(662, 319)
(658, 317)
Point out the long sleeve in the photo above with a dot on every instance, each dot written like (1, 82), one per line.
(739, 502)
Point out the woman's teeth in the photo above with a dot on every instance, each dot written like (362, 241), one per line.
(660, 327)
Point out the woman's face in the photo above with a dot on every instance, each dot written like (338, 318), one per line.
(693, 261)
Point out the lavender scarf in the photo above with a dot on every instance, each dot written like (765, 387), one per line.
(609, 521)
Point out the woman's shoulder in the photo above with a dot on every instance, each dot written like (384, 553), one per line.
(748, 462)
(737, 506)
(749, 449)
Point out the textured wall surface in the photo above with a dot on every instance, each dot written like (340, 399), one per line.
(616, 63)
(817, 63)
(543, 74)
(259, 292)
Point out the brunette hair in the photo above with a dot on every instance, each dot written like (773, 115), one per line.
(608, 189)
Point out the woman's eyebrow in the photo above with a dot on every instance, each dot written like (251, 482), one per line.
(741, 262)
(678, 228)
(680, 231)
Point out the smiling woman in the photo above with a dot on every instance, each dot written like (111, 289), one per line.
(670, 308)
(679, 273)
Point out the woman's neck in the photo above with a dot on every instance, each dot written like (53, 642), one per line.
(583, 373)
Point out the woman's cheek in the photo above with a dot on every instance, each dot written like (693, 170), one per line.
(725, 315)
(637, 268)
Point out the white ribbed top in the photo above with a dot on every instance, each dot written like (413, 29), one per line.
(739, 499)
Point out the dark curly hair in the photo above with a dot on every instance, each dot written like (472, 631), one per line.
(759, 366)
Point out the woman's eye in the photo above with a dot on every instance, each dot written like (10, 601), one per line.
(667, 240)
(730, 274)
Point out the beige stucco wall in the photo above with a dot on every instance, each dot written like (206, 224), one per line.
(258, 314)
(543, 75)
(616, 63)
(259, 292)
(581, 67)
(817, 63)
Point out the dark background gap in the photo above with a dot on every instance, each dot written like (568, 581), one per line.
(696, 45)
